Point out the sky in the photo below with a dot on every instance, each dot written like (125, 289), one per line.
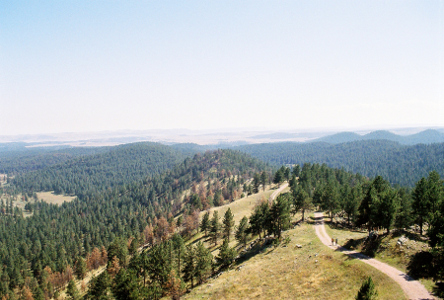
(84, 66)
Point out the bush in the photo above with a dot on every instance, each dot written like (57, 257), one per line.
(367, 290)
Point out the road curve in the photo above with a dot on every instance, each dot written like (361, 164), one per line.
(278, 191)
(412, 288)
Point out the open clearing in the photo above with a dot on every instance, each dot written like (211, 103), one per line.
(50, 197)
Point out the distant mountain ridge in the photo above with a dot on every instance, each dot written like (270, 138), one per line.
(428, 136)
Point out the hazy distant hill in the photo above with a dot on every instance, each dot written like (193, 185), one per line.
(383, 135)
(400, 164)
(428, 136)
(341, 137)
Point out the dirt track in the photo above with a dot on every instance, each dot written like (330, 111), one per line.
(278, 191)
(412, 288)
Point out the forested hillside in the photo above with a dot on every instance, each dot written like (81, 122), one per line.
(89, 173)
(403, 165)
(16, 160)
(43, 249)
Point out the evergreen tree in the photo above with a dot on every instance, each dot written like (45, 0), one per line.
(119, 248)
(404, 217)
(421, 205)
(205, 223)
(189, 269)
(379, 206)
(80, 268)
(228, 224)
(367, 290)
(296, 170)
(435, 195)
(204, 261)
(301, 200)
(286, 174)
(126, 286)
(226, 255)
(264, 179)
(242, 231)
(72, 291)
(351, 203)
(280, 214)
(158, 264)
(133, 246)
(259, 219)
(215, 228)
(278, 177)
(256, 182)
(99, 287)
(179, 248)
(330, 199)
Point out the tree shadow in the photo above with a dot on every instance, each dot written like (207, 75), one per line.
(257, 248)
(438, 289)
(421, 265)
(369, 247)
(344, 227)
(204, 238)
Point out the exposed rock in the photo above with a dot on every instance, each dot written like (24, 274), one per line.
(239, 268)
(402, 240)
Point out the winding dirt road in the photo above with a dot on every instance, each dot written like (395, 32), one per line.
(278, 191)
(412, 288)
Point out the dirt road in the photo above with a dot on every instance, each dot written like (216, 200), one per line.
(412, 288)
(278, 191)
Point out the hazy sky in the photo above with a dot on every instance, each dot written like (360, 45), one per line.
(108, 65)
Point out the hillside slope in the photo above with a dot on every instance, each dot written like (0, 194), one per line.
(56, 237)
(403, 165)
(289, 272)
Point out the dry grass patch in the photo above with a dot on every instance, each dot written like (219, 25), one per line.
(288, 272)
(50, 197)
(242, 207)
